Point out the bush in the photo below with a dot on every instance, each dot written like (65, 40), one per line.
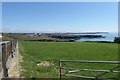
(117, 40)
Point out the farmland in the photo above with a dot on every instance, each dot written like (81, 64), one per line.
(51, 52)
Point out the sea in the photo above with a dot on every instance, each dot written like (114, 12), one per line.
(109, 37)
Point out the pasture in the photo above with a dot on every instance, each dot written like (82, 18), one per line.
(36, 54)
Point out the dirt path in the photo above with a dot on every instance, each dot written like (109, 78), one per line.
(14, 69)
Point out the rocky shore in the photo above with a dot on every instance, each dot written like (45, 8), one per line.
(51, 37)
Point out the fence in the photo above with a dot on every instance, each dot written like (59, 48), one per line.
(8, 49)
(112, 70)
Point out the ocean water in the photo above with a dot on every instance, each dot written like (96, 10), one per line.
(108, 37)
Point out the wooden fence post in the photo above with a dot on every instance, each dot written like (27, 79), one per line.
(4, 58)
(60, 65)
(11, 44)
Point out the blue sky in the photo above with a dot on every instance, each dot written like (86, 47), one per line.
(59, 16)
(60, 0)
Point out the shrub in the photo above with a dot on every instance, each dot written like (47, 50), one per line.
(117, 40)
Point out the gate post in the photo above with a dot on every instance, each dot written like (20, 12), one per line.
(5, 70)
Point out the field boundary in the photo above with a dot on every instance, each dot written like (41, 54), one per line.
(8, 53)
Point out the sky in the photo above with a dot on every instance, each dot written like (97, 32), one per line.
(60, 0)
(59, 16)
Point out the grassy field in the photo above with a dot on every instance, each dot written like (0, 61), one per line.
(51, 52)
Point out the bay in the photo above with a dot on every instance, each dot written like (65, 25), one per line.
(109, 37)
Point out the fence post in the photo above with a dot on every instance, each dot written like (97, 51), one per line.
(11, 44)
(60, 68)
(5, 70)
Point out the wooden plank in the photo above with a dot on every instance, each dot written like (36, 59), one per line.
(87, 61)
(85, 77)
(90, 70)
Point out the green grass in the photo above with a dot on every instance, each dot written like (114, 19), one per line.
(35, 52)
